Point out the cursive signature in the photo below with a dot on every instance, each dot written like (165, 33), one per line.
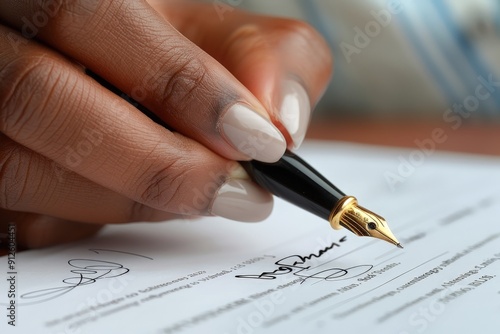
(85, 272)
(296, 265)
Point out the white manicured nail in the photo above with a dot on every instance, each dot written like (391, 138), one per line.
(252, 134)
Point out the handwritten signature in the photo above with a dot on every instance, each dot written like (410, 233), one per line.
(86, 272)
(296, 265)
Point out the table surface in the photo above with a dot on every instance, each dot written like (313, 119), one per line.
(468, 138)
(483, 138)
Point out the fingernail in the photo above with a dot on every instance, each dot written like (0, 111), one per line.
(295, 111)
(242, 200)
(252, 134)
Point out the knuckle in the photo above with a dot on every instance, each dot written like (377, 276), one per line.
(245, 39)
(160, 186)
(305, 37)
(282, 34)
(307, 43)
(30, 80)
(299, 28)
(179, 86)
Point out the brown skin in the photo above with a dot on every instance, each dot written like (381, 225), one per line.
(179, 59)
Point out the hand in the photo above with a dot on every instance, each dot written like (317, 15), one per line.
(74, 156)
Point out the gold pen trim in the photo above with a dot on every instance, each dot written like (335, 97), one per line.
(360, 221)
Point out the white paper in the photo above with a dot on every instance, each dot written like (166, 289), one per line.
(180, 277)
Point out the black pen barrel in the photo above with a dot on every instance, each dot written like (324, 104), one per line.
(292, 179)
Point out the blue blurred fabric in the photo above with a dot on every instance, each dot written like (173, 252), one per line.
(406, 58)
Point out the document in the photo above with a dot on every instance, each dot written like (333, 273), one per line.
(291, 273)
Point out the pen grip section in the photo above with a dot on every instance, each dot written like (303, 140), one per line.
(292, 179)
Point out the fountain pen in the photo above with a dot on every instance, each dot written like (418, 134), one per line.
(294, 180)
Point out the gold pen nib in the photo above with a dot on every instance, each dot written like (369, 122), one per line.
(361, 221)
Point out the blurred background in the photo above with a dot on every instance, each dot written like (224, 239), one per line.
(419, 57)
(403, 68)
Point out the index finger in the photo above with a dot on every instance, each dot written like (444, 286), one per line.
(131, 46)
